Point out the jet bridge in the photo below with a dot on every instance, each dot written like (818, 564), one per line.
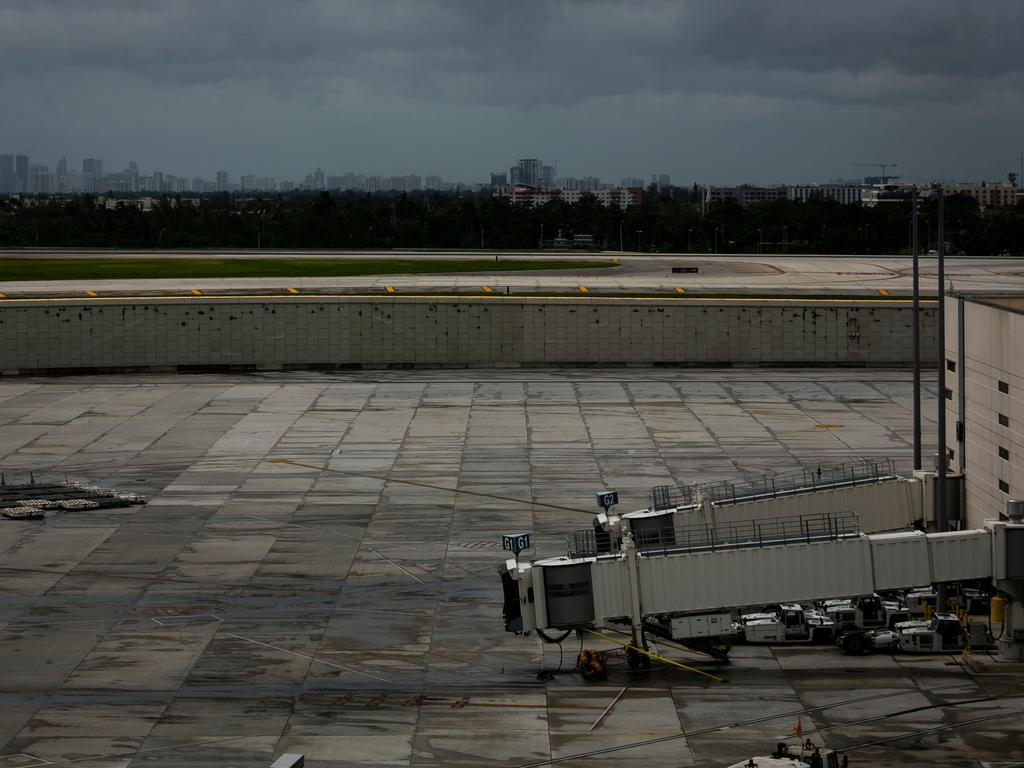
(884, 500)
(703, 567)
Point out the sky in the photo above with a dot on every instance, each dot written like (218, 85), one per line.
(709, 91)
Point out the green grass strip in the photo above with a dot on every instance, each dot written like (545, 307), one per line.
(126, 269)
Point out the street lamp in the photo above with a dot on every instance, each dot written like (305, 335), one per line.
(639, 232)
(716, 240)
(689, 236)
(160, 238)
(760, 241)
(785, 239)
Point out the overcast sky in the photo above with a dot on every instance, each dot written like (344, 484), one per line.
(715, 91)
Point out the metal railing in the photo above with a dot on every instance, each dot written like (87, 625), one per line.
(794, 529)
(803, 481)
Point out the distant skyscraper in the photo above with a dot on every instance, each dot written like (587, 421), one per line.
(529, 171)
(499, 179)
(62, 167)
(6, 174)
(631, 181)
(21, 174)
(433, 182)
(94, 166)
(222, 181)
(547, 176)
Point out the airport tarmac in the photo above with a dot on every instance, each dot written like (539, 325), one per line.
(315, 572)
(634, 273)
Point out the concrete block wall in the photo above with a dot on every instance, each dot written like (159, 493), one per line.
(376, 332)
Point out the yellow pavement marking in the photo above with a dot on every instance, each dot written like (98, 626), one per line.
(828, 426)
(389, 289)
(584, 289)
(883, 292)
(196, 292)
(466, 297)
(680, 290)
(487, 289)
(292, 290)
(90, 293)
(3, 295)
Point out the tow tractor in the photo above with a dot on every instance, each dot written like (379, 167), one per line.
(787, 623)
(943, 633)
(786, 756)
(869, 612)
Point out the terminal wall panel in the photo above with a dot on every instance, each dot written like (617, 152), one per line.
(900, 560)
(339, 331)
(961, 555)
(733, 578)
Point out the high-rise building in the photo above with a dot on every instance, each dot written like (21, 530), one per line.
(21, 174)
(434, 183)
(94, 166)
(222, 181)
(499, 179)
(631, 181)
(529, 171)
(6, 174)
(158, 181)
(547, 176)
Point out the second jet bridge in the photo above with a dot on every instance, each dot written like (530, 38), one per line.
(709, 568)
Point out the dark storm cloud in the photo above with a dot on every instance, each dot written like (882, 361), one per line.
(450, 64)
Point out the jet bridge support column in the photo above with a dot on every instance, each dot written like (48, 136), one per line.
(1008, 577)
(633, 567)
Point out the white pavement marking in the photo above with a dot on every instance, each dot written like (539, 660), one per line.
(305, 656)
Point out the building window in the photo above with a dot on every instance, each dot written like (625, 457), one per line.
(1004, 387)
(1003, 453)
(949, 393)
(1004, 486)
(951, 365)
(1004, 421)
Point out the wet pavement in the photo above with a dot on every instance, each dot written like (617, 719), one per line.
(315, 572)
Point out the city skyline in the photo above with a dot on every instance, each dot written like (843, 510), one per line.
(731, 91)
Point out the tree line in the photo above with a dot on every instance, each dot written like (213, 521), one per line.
(666, 221)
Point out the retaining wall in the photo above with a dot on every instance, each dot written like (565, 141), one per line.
(185, 334)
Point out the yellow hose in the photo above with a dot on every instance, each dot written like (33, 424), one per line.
(654, 655)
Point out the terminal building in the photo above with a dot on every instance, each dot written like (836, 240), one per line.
(984, 375)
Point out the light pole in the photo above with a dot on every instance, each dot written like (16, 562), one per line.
(621, 246)
(639, 232)
(760, 241)
(785, 239)
(716, 240)
(914, 246)
(941, 520)
(689, 237)
(160, 238)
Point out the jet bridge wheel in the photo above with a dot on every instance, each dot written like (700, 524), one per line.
(637, 661)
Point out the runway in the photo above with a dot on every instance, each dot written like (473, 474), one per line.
(631, 274)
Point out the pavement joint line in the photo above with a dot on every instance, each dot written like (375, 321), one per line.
(403, 570)
(305, 656)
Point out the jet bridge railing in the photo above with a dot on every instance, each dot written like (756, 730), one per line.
(803, 481)
(795, 529)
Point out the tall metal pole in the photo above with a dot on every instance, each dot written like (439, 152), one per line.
(917, 332)
(941, 521)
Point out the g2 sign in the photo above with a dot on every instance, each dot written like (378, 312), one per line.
(607, 499)
(515, 542)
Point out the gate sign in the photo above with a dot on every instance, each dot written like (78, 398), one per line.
(515, 542)
(606, 499)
